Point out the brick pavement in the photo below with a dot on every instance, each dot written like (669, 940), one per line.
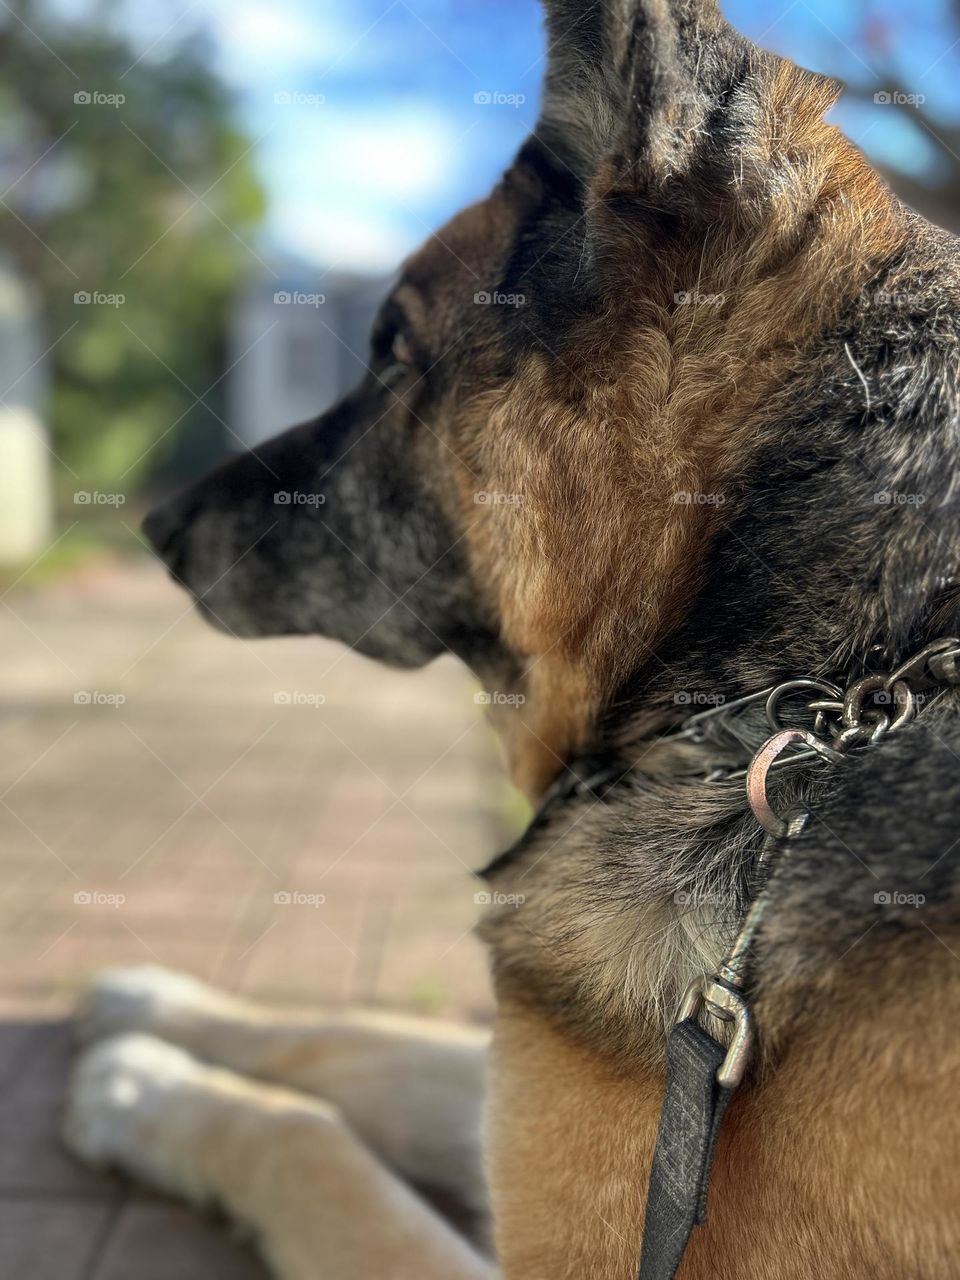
(283, 818)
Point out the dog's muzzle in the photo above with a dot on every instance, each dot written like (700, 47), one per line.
(162, 528)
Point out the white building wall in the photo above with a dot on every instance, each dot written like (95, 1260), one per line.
(26, 479)
(295, 349)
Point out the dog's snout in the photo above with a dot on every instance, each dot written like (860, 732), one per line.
(160, 527)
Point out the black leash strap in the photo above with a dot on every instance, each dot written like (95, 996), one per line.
(702, 1074)
(693, 1108)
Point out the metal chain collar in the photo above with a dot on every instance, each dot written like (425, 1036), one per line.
(844, 720)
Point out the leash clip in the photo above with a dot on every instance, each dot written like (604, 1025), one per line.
(730, 1006)
(699, 1081)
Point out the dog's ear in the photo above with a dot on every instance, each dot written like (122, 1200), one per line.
(662, 100)
(722, 224)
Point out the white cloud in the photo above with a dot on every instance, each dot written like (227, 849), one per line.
(348, 239)
(403, 156)
(256, 37)
(358, 189)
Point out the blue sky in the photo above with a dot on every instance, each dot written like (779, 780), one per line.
(383, 139)
(367, 130)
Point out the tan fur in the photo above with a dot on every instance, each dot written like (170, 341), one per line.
(821, 1172)
(319, 1182)
(600, 554)
(821, 1169)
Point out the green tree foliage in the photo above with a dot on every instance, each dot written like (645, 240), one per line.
(152, 198)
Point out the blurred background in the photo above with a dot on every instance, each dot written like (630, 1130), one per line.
(201, 202)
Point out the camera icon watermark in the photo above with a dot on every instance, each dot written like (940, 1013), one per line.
(899, 298)
(94, 498)
(897, 98)
(690, 298)
(294, 698)
(487, 499)
(494, 298)
(94, 698)
(297, 298)
(896, 899)
(94, 298)
(296, 98)
(286, 498)
(497, 699)
(698, 698)
(94, 98)
(894, 498)
(695, 499)
(495, 98)
(294, 898)
(490, 898)
(690, 898)
(95, 898)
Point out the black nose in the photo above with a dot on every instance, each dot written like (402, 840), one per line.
(161, 527)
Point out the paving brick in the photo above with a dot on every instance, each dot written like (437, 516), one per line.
(32, 1161)
(165, 1242)
(50, 1239)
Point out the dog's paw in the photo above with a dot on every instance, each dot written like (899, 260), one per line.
(128, 1099)
(141, 998)
(150, 1109)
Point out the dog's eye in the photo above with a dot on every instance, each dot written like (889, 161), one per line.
(400, 361)
(402, 350)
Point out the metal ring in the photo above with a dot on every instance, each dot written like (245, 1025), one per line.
(856, 715)
(858, 735)
(824, 708)
(853, 710)
(763, 762)
(943, 666)
(792, 686)
(905, 704)
(731, 1006)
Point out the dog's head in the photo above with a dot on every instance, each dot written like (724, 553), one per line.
(562, 383)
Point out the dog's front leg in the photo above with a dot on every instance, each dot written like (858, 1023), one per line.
(285, 1166)
(411, 1089)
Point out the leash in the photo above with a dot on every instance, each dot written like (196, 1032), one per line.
(703, 1071)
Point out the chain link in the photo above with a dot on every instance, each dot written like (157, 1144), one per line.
(869, 710)
(844, 720)
(829, 724)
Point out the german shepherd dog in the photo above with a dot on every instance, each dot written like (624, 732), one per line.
(714, 448)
